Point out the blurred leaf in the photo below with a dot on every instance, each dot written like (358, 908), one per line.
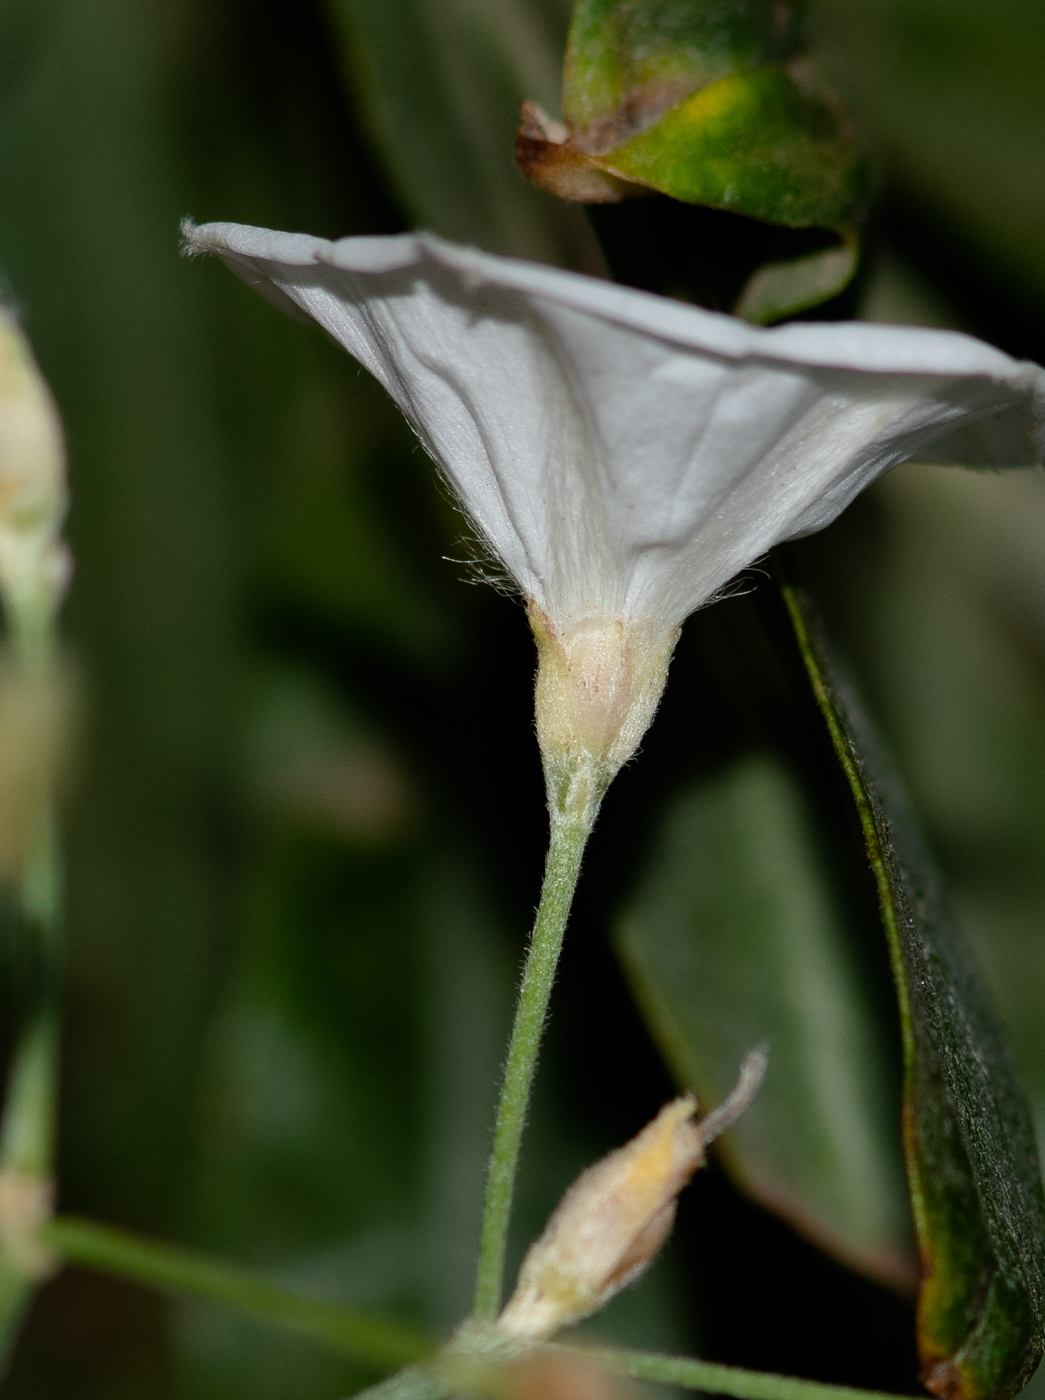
(954, 94)
(89, 141)
(973, 1170)
(331, 482)
(308, 1135)
(711, 103)
(893, 294)
(346, 1107)
(440, 83)
(737, 935)
(782, 289)
(308, 760)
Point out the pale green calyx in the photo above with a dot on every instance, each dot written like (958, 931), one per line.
(599, 681)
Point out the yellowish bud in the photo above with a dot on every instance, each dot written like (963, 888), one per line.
(34, 564)
(26, 1203)
(608, 1226)
(613, 1220)
(599, 681)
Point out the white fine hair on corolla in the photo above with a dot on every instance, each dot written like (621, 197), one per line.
(625, 455)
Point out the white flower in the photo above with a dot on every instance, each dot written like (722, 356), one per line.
(624, 455)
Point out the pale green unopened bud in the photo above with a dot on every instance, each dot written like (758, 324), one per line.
(34, 563)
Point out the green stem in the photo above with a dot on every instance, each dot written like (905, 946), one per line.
(718, 1380)
(375, 1341)
(413, 1383)
(27, 1130)
(569, 836)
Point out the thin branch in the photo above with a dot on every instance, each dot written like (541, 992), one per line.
(376, 1341)
(566, 847)
(718, 1380)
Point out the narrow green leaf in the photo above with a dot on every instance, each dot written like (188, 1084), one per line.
(736, 935)
(972, 1164)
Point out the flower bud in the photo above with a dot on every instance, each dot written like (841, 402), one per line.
(613, 1220)
(34, 563)
(26, 1203)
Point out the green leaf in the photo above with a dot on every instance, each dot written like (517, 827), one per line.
(440, 83)
(756, 144)
(972, 1165)
(712, 103)
(782, 289)
(619, 54)
(738, 934)
(949, 619)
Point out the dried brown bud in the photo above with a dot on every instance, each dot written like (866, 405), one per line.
(613, 1220)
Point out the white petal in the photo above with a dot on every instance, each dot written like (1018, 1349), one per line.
(626, 453)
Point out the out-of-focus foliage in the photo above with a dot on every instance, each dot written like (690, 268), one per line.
(952, 95)
(738, 934)
(439, 83)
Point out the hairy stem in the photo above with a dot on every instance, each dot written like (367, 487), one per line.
(380, 1342)
(718, 1380)
(570, 829)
